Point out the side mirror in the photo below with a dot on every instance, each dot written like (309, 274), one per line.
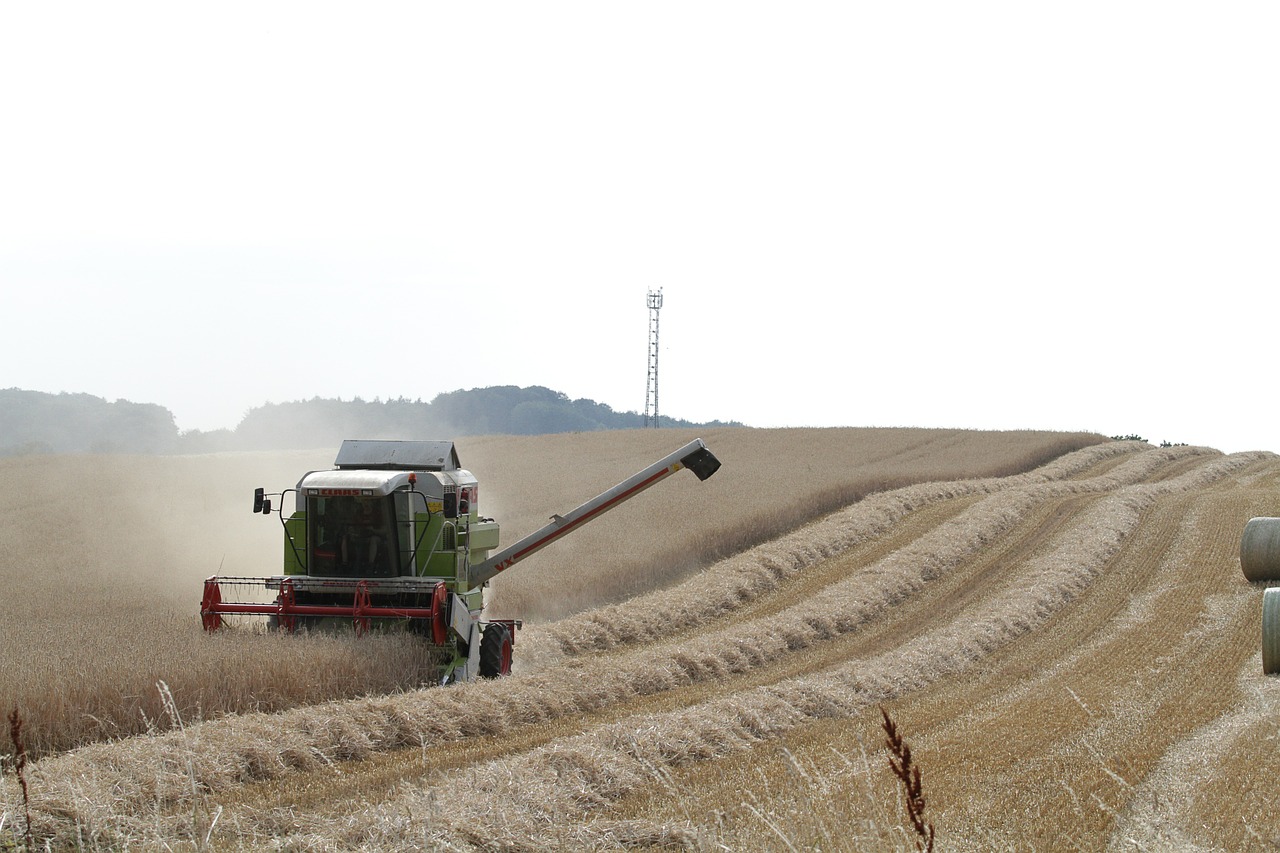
(260, 502)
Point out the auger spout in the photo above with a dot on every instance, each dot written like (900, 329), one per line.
(695, 456)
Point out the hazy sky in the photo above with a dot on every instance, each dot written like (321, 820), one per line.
(979, 215)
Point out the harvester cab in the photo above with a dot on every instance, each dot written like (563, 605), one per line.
(393, 536)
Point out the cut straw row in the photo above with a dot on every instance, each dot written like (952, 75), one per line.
(113, 788)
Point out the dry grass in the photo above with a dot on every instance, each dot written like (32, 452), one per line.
(1046, 743)
(1072, 651)
(601, 764)
(101, 557)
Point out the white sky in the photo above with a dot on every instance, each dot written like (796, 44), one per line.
(979, 215)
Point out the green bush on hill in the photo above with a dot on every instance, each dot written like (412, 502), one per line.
(37, 422)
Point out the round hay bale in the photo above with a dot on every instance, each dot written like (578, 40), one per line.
(1260, 549)
(1271, 631)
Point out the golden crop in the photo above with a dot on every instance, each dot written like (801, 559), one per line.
(102, 557)
(1059, 626)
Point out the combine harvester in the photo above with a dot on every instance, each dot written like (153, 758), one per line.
(393, 533)
(1260, 560)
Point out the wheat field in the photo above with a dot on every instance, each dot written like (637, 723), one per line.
(1057, 623)
(103, 556)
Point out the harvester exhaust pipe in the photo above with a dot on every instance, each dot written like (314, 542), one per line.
(695, 456)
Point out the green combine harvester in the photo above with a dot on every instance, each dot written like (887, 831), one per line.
(393, 536)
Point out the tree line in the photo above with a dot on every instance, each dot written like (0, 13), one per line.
(39, 422)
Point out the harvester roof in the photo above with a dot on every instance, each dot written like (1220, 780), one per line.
(397, 455)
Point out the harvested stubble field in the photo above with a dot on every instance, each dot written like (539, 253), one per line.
(1058, 625)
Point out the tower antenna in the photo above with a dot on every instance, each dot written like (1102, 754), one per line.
(651, 391)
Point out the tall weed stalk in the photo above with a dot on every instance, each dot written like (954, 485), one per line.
(908, 773)
(20, 769)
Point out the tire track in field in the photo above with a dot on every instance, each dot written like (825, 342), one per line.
(1173, 805)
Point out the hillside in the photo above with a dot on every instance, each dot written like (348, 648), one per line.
(1070, 651)
(34, 422)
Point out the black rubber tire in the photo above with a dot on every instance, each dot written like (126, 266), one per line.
(495, 651)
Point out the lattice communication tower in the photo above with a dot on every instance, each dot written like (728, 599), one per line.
(651, 392)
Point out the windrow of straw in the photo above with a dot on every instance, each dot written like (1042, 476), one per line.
(104, 786)
(100, 586)
(256, 763)
(738, 580)
(555, 785)
(772, 482)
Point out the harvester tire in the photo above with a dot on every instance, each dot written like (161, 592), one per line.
(1271, 631)
(1260, 549)
(495, 650)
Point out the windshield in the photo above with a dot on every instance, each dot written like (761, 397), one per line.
(352, 537)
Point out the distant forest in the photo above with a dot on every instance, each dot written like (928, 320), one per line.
(36, 422)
